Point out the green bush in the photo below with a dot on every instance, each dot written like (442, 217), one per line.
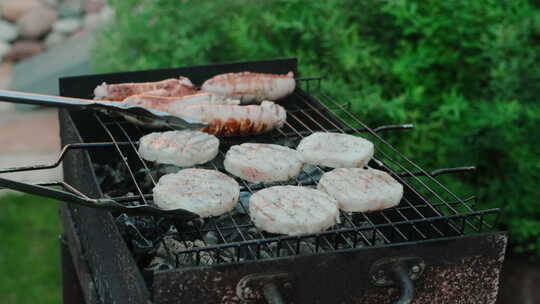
(465, 72)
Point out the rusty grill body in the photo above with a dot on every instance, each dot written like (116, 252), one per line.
(112, 257)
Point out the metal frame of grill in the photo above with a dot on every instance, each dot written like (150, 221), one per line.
(428, 212)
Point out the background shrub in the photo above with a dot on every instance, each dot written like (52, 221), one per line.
(467, 73)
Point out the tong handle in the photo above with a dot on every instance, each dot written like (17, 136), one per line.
(78, 198)
(42, 100)
(52, 193)
(159, 118)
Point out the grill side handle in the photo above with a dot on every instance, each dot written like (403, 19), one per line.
(400, 271)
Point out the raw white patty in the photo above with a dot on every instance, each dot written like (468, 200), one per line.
(336, 150)
(204, 192)
(263, 162)
(182, 148)
(361, 190)
(293, 210)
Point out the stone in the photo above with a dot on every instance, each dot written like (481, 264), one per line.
(8, 31)
(23, 49)
(54, 39)
(70, 8)
(92, 21)
(107, 14)
(36, 22)
(13, 9)
(4, 49)
(50, 3)
(94, 6)
(67, 26)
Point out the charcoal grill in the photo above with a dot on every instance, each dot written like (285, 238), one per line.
(435, 246)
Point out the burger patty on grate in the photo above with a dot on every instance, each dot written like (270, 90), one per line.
(361, 190)
(263, 162)
(181, 148)
(201, 191)
(293, 210)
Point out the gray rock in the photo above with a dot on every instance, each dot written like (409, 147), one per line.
(94, 6)
(54, 39)
(67, 26)
(70, 8)
(36, 22)
(8, 31)
(13, 9)
(50, 3)
(23, 49)
(92, 21)
(4, 49)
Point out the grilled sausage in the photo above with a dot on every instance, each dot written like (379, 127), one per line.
(232, 120)
(251, 87)
(118, 92)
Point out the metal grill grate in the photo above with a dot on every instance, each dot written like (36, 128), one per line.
(428, 209)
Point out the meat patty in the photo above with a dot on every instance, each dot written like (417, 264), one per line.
(233, 120)
(118, 92)
(263, 162)
(204, 192)
(251, 87)
(181, 148)
(361, 190)
(293, 210)
(336, 150)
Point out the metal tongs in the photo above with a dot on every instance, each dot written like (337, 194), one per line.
(68, 193)
(153, 117)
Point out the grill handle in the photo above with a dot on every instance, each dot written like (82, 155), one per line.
(405, 284)
(400, 271)
(73, 196)
(158, 118)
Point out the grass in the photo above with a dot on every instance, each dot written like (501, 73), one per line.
(29, 250)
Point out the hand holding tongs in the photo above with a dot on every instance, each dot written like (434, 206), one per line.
(157, 118)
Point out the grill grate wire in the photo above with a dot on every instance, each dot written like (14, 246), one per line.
(422, 214)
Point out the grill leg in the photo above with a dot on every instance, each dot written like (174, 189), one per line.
(71, 287)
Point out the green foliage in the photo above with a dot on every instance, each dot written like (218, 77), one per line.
(466, 73)
(29, 251)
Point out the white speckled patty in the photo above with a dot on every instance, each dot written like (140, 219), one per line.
(361, 190)
(263, 162)
(182, 148)
(201, 191)
(336, 150)
(293, 210)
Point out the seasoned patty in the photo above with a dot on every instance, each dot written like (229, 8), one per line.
(361, 190)
(181, 148)
(263, 162)
(293, 210)
(204, 192)
(336, 150)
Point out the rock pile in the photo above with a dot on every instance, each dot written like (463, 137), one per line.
(28, 27)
